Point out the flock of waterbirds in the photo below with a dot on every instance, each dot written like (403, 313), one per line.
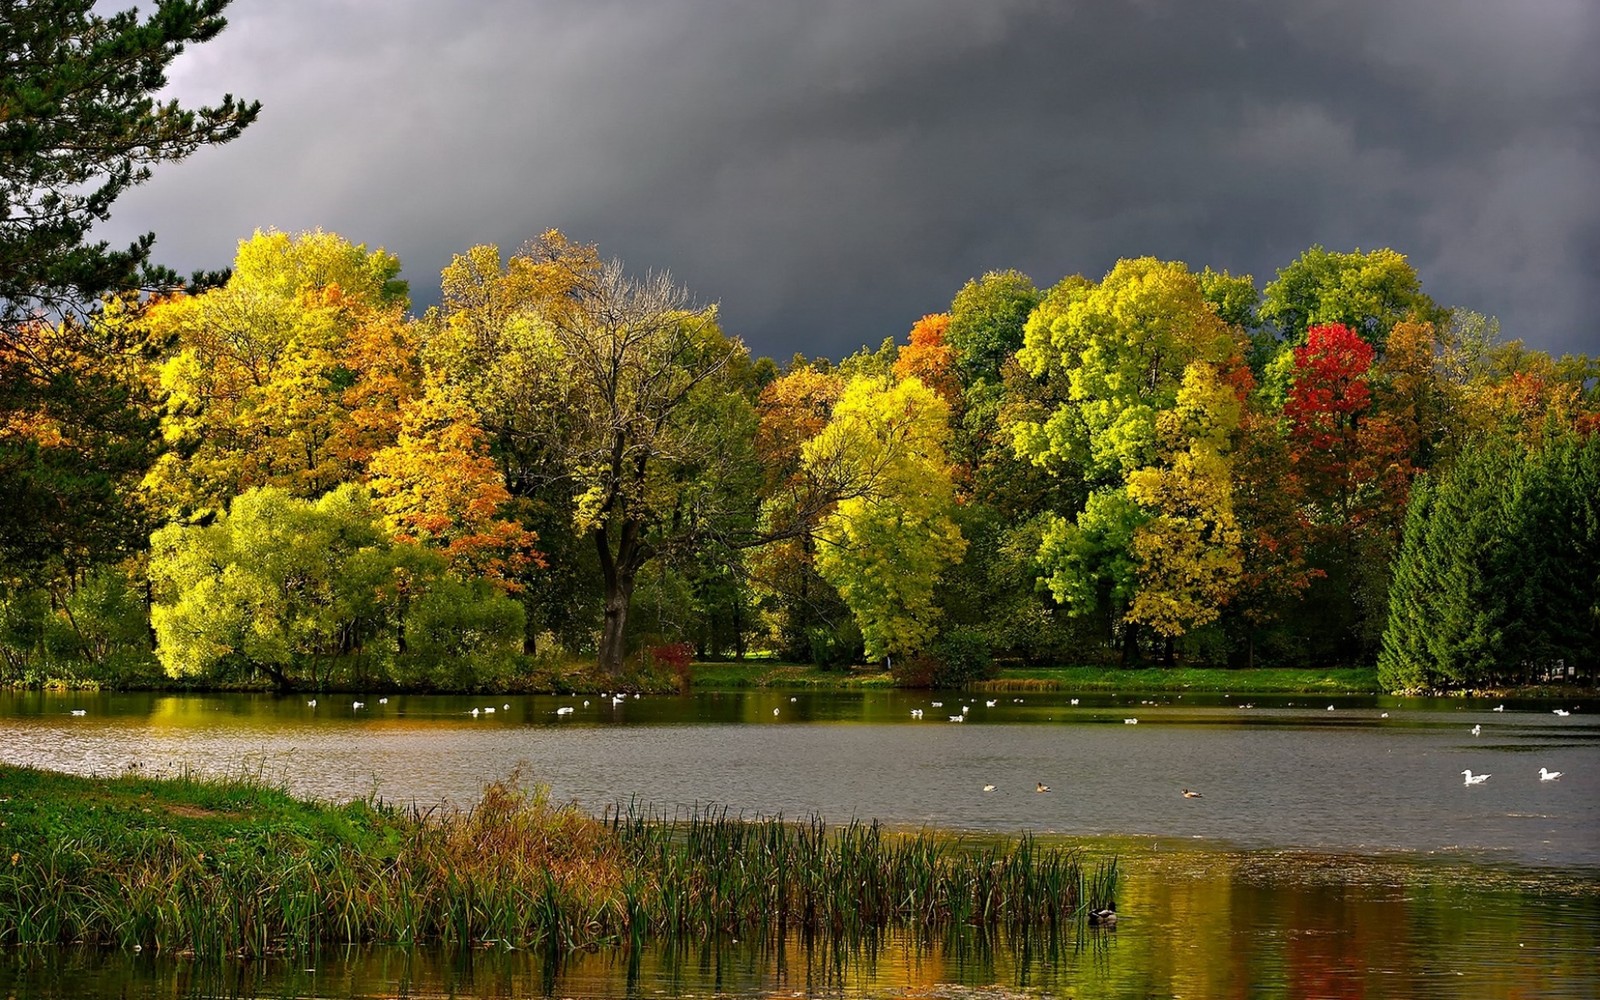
(618, 698)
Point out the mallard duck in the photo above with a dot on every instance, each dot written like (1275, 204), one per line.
(1106, 917)
(1041, 787)
(1192, 795)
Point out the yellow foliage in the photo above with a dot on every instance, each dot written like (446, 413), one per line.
(891, 535)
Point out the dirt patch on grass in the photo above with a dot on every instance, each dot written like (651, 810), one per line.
(194, 812)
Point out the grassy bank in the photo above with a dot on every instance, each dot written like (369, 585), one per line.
(767, 674)
(1262, 680)
(231, 867)
(735, 676)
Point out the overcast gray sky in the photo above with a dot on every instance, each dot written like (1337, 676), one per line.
(830, 170)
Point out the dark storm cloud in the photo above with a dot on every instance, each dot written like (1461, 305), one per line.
(832, 171)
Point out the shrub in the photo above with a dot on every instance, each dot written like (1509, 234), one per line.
(961, 655)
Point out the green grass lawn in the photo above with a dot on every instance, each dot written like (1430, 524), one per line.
(771, 674)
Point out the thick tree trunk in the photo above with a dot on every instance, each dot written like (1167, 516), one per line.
(280, 680)
(619, 572)
(613, 641)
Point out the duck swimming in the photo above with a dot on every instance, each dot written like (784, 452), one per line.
(1192, 795)
(1545, 775)
(1041, 787)
(1104, 918)
(1475, 779)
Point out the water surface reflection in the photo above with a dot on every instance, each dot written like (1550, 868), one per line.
(1197, 924)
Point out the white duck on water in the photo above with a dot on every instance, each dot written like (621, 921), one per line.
(1548, 775)
(1475, 779)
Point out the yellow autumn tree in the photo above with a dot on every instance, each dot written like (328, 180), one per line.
(291, 375)
(891, 535)
(1188, 550)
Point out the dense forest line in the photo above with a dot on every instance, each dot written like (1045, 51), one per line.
(288, 475)
(280, 473)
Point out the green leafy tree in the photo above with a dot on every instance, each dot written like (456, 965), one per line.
(1148, 375)
(986, 321)
(294, 588)
(1235, 298)
(1367, 292)
(276, 584)
(460, 634)
(799, 607)
(984, 332)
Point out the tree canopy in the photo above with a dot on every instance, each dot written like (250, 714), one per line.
(289, 476)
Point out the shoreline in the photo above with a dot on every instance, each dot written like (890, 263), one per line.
(774, 675)
(236, 866)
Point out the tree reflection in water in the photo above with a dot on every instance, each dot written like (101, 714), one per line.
(1196, 923)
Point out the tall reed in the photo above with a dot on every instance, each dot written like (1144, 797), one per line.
(514, 870)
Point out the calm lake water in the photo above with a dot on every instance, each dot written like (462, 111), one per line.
(1334, 853)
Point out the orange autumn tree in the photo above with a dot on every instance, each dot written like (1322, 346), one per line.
(438, 487)
(927, 357)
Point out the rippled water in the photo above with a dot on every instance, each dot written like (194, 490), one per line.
(1288, 774)
(1334, 853)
